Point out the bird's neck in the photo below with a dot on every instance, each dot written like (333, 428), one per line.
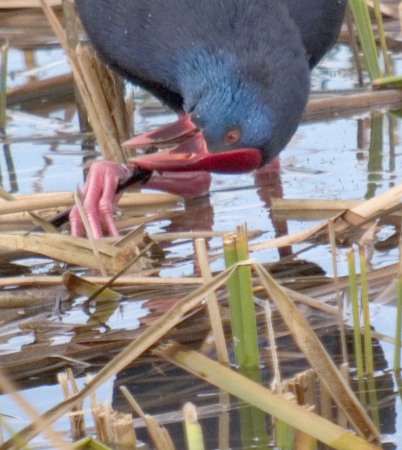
(205, 75)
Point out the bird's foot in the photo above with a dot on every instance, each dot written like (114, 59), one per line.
(101, 192)
(100, 198)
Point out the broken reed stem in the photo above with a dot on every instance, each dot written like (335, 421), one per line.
(113, 428)
(353, 295)
(3, 84)
(193, 431)
(77, 423)
(368, 349)
(159, 435)
(212, 302)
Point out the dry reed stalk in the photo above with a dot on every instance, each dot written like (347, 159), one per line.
(94, 97)
(276, 381)
(190, 235)
(160, 436)
(212, 302)
(386, 9)
(124, 432)
(124, 281)
(366, 210)
(102, 420)
(23, 4)
(101, 114)
(62, 247)
(73, 31)
(113, 428)
(346, 104)
(65, 198)
(291, 204)
(37, 89)
(326, 403)
(51, 200)
(67, 380)
(17, 299)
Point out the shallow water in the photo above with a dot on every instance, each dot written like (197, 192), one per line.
(335, 158)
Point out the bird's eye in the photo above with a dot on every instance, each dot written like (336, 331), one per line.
(232, 135)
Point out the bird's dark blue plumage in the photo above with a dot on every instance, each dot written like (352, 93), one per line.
(242, 64)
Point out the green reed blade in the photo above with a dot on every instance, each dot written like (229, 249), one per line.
(368, 343)
(353, 294)
(361, 18)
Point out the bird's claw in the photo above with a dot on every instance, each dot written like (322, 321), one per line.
(100, 198)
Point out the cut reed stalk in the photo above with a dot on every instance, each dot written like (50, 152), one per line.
(159, 435)
(194, 437)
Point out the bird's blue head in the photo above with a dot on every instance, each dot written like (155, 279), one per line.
(247, 103)
(239, 113)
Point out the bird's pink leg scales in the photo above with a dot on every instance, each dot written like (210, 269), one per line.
(100, 198)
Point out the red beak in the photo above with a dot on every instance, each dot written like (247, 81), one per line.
(191, 153)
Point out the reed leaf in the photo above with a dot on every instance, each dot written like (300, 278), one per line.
(317, 356)
(353, 295)
(361, 18)
(368, 343)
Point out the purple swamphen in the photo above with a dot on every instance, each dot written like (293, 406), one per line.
(237, 72)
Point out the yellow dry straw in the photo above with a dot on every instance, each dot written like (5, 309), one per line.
(3, 84)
